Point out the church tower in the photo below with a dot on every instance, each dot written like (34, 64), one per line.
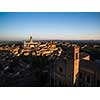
(72, 66)
(31, 39)
(76, 65)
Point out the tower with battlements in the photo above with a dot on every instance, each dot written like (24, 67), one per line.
(31, 39)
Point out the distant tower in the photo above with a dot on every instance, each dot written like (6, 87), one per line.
(24, 43)
(31, 39)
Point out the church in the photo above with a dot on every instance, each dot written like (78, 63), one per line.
(30, 44)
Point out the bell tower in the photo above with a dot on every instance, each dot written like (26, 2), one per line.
(76, 65)
(72, 66)
(31, 39)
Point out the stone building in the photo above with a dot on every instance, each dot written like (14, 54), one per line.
(64, 70)
(30, 44)
(74, 68)
(89, 74)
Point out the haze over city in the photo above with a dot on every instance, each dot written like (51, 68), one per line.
(48, 25)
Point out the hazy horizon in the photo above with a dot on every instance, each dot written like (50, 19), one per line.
(50, 25)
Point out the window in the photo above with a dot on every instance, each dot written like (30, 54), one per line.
(98, 82)
(88, 79)
(80, 75)
(76, 55)
(60, 69)
(52, 82)
(60, 83)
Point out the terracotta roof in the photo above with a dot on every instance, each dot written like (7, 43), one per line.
(83, 54)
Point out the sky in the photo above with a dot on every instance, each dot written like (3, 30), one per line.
(50, 25)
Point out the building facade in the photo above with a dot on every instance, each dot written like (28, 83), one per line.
(64, 71)
(75, 69)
